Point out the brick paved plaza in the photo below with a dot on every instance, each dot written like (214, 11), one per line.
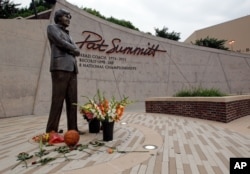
(184, 146)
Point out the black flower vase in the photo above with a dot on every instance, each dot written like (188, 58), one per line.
(107, 130)
(94, 125)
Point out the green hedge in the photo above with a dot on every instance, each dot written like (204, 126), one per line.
(200, 92)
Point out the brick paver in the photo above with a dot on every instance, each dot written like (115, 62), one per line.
(185, 145)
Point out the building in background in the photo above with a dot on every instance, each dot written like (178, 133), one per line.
(236, 32)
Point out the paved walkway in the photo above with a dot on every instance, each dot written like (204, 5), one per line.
(184, 146)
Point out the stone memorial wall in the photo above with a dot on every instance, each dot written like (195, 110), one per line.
(114, 59)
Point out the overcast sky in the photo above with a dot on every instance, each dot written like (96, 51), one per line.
(181, 16)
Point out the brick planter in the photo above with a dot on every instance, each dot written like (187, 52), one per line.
(222, 109)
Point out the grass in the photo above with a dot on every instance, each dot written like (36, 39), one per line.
(200, 92)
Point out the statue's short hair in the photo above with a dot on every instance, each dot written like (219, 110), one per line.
(60, 13)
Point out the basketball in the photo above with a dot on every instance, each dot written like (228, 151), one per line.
(71, 137)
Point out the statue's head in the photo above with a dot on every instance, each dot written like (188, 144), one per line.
(62, 15)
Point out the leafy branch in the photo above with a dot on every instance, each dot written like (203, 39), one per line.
(23, 157)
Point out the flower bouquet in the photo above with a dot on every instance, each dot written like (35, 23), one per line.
(104, 110)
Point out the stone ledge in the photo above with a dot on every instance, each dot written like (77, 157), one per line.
(222, 109)
(207, 99)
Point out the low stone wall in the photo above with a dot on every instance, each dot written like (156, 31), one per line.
(222, 109)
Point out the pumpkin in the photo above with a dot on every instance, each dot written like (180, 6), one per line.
(71, 137)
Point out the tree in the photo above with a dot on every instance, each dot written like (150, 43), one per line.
(42, 4)
(50, 1)
(164, 34)
(211, 43)
(94, 12)
(7, 9)
(121, 22)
